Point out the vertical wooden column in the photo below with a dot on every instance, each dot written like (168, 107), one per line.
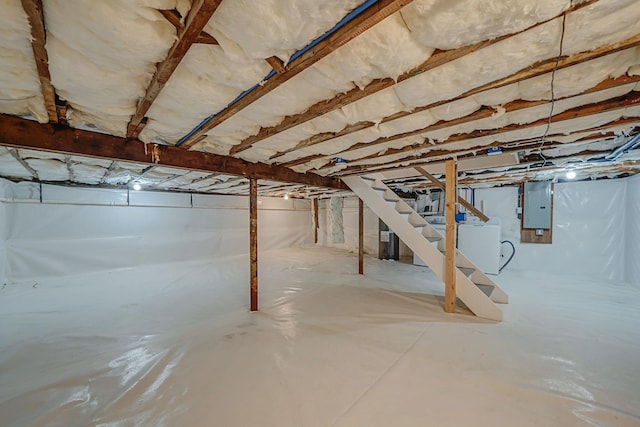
(360, 236)
(316, 224)
(253, 241)
(450, 243)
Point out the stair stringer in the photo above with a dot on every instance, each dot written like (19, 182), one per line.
(476, 300)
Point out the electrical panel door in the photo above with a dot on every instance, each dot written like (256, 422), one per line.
(537, 205)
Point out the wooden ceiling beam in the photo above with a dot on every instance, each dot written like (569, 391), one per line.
(35, 14)
(438, 58)
(482, 113)
(472, 151)
(174, 19)
(22, 133)
(277, 64)
(367, 19)
(528, 73)
(524, 175)
(200, 13)
(620, 102)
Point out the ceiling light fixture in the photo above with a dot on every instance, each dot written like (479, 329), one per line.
(286, 196)
(571, 174)
(137, 186)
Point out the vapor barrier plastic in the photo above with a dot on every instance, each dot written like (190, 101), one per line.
(588, 229)
(175, 345)
(45, 240)
(632, 232)
(3, 275)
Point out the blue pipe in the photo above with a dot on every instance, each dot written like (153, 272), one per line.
(631, 144)
(349, 17)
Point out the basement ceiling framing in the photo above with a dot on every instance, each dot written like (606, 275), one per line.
(382, 85)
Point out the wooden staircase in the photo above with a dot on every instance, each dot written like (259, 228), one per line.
(477, 291)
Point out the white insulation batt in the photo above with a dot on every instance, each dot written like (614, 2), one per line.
(20, 92)
(175, 345)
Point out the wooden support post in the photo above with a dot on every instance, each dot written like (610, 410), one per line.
(450, 247)
(253, 241)
(316, 224)
(360, 236)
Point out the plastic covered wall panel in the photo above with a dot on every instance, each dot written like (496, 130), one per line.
(588, 229)
(632, 263)
(3, 216)
(349, 225)
(46, 240)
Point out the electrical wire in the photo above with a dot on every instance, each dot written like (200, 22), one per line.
(512, 254)
(553, 95)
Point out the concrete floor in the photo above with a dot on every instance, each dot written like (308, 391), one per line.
(175, 346)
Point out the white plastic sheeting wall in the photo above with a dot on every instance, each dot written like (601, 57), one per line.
(56, 238)
(349, 226)
(3, 278)
(632, 232)
(588, 229)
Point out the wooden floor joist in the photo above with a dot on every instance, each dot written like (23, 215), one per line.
(35, 14)
(437, 156)
(533, 71)
(437, 59)
(199, 15)
(617, 103)
(22, 133)
(482, 113)
(367, 19)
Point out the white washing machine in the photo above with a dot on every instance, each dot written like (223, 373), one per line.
(480, 243)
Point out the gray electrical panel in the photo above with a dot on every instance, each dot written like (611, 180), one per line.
(537, 205)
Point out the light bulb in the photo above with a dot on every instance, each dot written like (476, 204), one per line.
(286, 197)
(571, 175)
(137, 186)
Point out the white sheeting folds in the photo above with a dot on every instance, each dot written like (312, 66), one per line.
(589, 229)
(3, 232)
(175, 345)
(99, 232)
(632, 231)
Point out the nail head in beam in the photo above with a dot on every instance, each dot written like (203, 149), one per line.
(35, 14)
(200, 13)
(23, 133)
(450, 238)
(253, 241)
(367, 19)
